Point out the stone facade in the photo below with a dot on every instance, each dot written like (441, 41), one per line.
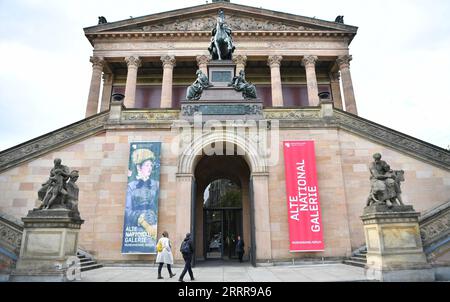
(342, 165)
(278, 50)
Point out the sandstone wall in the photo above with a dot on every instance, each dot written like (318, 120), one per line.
(342, 165)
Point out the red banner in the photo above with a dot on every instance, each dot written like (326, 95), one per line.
(305, 222)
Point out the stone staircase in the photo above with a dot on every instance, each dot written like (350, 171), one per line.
(358, 257)
(435, 233)
(11, 230)
(87, 262)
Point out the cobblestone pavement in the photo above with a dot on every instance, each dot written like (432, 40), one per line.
(234, 273)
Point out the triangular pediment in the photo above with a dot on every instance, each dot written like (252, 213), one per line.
(203, 18)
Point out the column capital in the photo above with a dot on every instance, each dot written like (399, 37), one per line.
(133, 61)
(335, 76)
(309, 61)
(168, 61)
(274, 61)
(97, 62)
(240, 60)
(344, 61)
(202, 60)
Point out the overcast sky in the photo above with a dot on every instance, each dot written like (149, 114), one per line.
(400, 67)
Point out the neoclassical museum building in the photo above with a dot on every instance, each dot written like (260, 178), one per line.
(218, 162)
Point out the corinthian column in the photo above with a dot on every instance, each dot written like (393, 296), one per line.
(94, 90)
(202, 62)
(349, 95)
(274, 63)
(336, 89)
(107, 90)
(133, 64)
(311, 79)
(166, 93)
(240, 62)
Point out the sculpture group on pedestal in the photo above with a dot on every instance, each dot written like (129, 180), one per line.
(194, 92)
(239, 83)
(385, 184)
(221, 47)
(60, 190)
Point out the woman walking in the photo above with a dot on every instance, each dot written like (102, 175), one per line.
(164, 254)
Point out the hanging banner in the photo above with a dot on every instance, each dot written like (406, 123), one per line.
(141, 206)
(305, 222)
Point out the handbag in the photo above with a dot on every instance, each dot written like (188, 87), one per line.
(159, 247)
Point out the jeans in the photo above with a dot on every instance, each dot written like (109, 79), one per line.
(187, 266)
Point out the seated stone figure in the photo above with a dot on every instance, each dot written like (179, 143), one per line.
(385, 183)
(194, 92)
(240, 84)
(60, 190)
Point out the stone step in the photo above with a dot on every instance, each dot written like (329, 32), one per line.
(90, 267)
(355, 263)
(88, 263)
(362, 257)
(358, 259)
(85, 260)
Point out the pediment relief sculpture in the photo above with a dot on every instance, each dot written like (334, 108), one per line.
(237, 23)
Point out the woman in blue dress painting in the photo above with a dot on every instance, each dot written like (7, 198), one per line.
(142, 202)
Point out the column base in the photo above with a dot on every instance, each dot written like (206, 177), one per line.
(38, 276)
(404, 275)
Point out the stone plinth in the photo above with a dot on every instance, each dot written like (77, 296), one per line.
(49, 238)
(220, 73)
(222, 110)
(394, 246)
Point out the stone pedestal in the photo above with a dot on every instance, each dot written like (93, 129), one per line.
(220, 73)
(49, 238)
(394, 246)
(221, 102)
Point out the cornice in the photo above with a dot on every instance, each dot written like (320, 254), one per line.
(230, 8)
(180, 34)
(310, 117)
(48, 142)
(393, 139)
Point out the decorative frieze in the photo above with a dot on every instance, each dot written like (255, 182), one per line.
(394, 139)
(136, 116)
(292, 114)
(205, 23)
(38, 146)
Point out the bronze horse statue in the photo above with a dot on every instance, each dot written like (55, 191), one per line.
(221, 47)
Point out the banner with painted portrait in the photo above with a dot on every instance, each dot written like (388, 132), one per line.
(141, 205)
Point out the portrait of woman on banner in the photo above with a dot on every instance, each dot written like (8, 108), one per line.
(141, 210)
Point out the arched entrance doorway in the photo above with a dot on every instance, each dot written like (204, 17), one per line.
(222, 205)
(190, 188)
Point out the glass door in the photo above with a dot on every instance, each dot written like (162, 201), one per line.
(213, 234)
(232, 227)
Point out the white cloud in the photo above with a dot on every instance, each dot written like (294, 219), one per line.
(400, 66)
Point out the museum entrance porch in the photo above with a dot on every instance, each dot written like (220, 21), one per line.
(222, 208)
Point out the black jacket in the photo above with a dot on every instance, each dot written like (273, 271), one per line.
(240, 246)
(191, 246)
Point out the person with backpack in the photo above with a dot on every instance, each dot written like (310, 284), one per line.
(164, 250)
(187, 249)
